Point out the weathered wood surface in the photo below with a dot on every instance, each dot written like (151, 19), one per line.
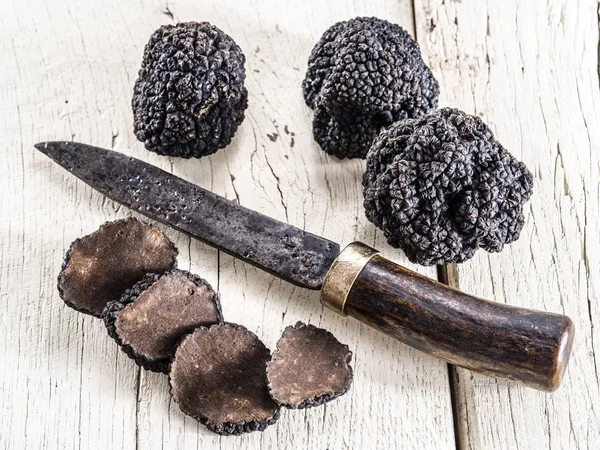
(530, 69)
(68, 70)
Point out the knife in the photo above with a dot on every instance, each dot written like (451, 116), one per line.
(526, 346)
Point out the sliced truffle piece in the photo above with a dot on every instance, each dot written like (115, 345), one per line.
(219, 377)
(100, 267)
(151, 318)
(363, 75)
(442, 186)
(189, 98)
(309, 367)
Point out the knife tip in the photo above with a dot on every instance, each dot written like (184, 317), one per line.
(45, 147)
(50, 148)
(41, 146)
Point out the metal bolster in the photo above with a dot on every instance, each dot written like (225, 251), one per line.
(343, 273)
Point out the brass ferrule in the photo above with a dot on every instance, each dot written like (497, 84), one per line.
(343, 273)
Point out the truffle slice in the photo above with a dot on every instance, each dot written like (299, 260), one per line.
(219, 377)
(152, 317)
(98, 268)
(189, 98)
(309, 367)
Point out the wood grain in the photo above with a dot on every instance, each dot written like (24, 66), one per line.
(526, 346)
(68, 71)
(530, 69)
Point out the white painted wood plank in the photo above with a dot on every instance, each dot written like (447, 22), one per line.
(530, 69)
(69, 69)
(324, 196)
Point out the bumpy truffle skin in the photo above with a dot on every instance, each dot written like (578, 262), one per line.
(363, 75)
(442, 186)
(186, 320)
(189, 98)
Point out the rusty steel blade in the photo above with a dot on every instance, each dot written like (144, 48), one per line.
(283, 250)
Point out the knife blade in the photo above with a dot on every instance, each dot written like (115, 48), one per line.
(283, 250)
(530, 347)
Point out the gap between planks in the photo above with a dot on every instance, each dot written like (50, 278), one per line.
(448, 275)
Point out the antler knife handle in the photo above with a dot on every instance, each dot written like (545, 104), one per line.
(530, 347)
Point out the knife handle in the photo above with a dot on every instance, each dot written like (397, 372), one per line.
(526, 346)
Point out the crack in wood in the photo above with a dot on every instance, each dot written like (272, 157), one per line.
(448, 274)
(598, 62)
(281, 197)
(167, 12)
(137, 407)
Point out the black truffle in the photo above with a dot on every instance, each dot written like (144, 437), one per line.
(219, 377)
(442, 186)
(151, 318)
(309, 367)
(363, 75)
(189, 98)
(98, 268)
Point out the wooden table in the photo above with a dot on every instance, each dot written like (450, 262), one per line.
(530, 69)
